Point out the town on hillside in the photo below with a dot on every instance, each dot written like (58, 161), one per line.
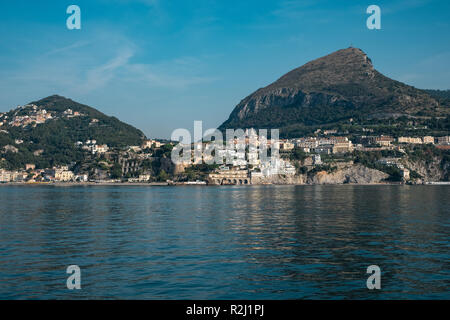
(301, 160)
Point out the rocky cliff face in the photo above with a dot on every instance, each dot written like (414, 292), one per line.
(355, 174)
(334, 88)
(431, 171)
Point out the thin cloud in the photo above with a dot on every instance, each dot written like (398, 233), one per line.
(75, 45)
(101, 75)
(172, 74)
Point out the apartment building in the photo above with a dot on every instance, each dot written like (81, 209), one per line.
(410, 140)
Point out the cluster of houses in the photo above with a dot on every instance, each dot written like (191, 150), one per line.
(92, 147)
(264, 169)
(34, 116)
(69, 113)
(31, 174)
(339, 144)
(245, 165)
(147, 144)
(395, 162)
(62, 173)
(425, 140)
(326, 145)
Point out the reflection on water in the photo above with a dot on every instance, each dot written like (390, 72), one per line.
(260, 242)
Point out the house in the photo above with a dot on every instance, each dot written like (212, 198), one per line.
(307, 143)
(149, 143)
(325, 149)
(82, 178)
(10, 148)
(144, 177)
(5, 176)
(384, 141)
(286, 145)
(229, 177)
(389, 161)
(316, 159)
(343, 147)
(428, 139)
(61, 174)
(64, 176)
(335, 140)
(102, 148)
(38, 152)
(18, 176)
(255, 175)
(405, 174)
(277, 166)
(410, 140)
(443, 140)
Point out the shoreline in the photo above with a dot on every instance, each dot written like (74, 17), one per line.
(166, 184)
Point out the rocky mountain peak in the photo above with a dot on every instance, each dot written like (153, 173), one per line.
(344, 66)
(334, 88)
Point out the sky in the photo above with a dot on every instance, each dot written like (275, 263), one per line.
(159, 65)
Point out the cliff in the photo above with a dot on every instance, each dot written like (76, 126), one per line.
(356, 174)
(433, 170)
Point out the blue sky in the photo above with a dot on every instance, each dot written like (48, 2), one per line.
(160, 65)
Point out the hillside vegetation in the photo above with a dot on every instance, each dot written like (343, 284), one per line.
(53, 142)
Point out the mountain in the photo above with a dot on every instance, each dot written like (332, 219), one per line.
(44, 132)
(329, 91)
(443, 96)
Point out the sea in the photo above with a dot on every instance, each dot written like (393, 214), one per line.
(225, 242)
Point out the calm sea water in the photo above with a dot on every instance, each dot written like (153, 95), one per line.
(259, 242)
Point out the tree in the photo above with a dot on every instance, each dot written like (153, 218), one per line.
(163, 176)
(298, 154)
(116, 171)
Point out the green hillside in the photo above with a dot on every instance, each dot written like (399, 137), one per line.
(55, 139)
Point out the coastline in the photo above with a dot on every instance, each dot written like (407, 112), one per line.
(165, 184)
